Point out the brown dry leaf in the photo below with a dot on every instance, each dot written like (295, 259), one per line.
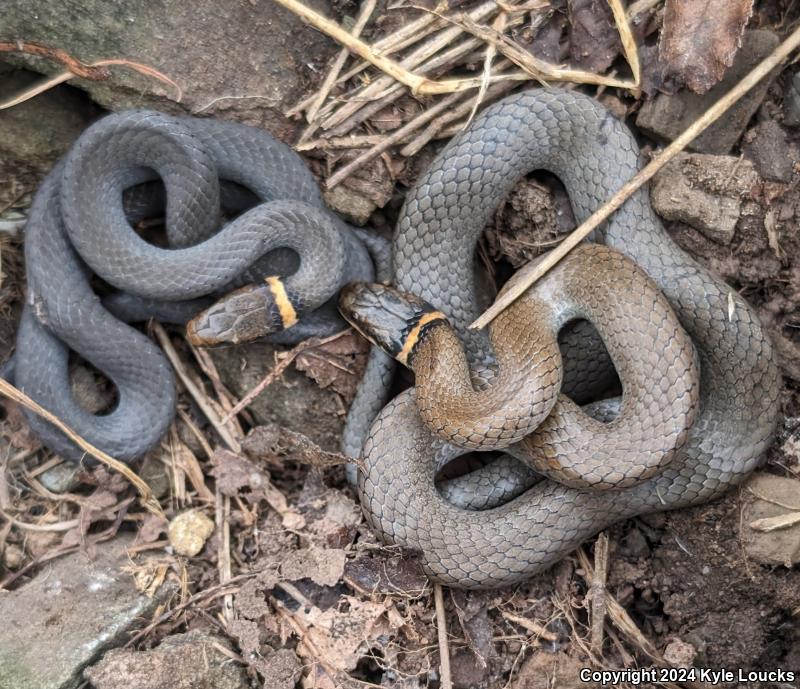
(381, 574)
(342, 638)
(324, 566)
(594, 38)
(337, 364)
(152, 527)
(472, 610)
(16, 428)
(700, 39)
(238, 477)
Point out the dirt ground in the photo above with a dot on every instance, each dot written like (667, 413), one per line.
(315, 600)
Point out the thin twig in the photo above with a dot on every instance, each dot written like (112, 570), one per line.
(407, 35)
(223, 514)
(146, 495)
(441, 630)
(95, 71)
(422, 119)
(536, 68)
(598, 593)
(367, 8)
(437, 127)
(276, 372)
(197, 394)
(533, 271)
(418, 84)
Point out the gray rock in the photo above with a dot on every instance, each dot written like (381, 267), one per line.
(249, 57)
(706, 192)
(292, 401)
(791, 102)
(667, 116)
(39, 131)
(769, 151)
(67, 616)
(62, 478)
(183, 661)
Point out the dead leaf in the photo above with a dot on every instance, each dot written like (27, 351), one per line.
(16, 428)
(323, 566)
(337, 364)
(342, 637)
(594, 41)
(251, 599)
(152, 527)
(472, 610)
(700, 39)
(379, 574)
(280, 669)
(238, 477)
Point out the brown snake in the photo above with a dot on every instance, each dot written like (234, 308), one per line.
(679, 439)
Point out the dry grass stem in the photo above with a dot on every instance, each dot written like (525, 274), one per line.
(441, 631)
(598, 593)
(146, 495)
(280, 367)
(367, 8)
(532, 626)
(536, 69)
(422, 119)
(532, 272)
(617, 614)
(222, 520)
(95, 71)
(198, 395)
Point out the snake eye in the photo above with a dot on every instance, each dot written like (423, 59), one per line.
(391, 319)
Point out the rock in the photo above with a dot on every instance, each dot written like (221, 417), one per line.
(27, 147)
(791, 102)
(189, 531)
(280, 669)
(250, 58)
(768, 149)
(66, 110)
(666, 116)
(156, 475)
(706, 192)
(293, 401)
(68, 615)
(352, 206)
(680, 654)
(771, 520)
(62, 478)
(183, 661)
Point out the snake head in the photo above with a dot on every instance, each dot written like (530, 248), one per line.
(244, 315)
(393, 320)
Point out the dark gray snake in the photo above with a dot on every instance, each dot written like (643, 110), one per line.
(81, 223)
(593, 154)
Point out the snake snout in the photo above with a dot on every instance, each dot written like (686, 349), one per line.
(391, 319)
(241, 316)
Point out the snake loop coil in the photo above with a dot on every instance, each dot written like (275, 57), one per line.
(699, 377)
(81, 223)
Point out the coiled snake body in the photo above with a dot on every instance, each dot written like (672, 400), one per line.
(78, 224)
(445, 213)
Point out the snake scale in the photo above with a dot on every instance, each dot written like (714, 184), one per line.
(82, 223)
(593, 154)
